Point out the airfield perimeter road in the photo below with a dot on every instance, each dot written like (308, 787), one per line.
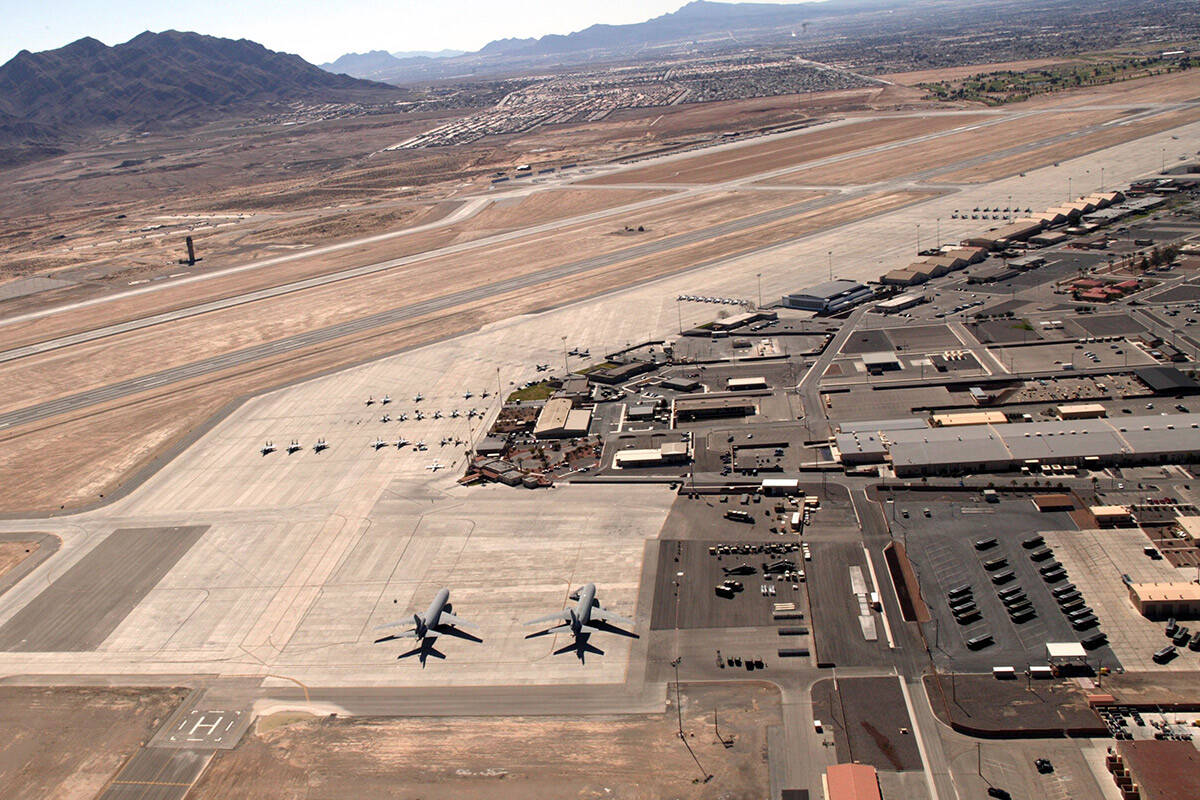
(682, 191)
(251, 354)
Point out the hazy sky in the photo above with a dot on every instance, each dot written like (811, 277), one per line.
(319, 30)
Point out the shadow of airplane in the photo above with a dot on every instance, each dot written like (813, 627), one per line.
(426, 647)
(581, 642)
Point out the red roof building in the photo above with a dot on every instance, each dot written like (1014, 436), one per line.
(851, 782)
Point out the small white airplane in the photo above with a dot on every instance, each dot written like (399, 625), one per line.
(293, 447)
(387, 398)
(467, 395)
(386, 418)
(320, 445)
(434, 467)
(418, 398)
(378, 443)
(454, 414)
(437, 414)
(401, 442)
(267, 448)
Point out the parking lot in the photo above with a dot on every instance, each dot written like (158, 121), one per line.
(1116, 355)
(942, 549)
(1096, 560)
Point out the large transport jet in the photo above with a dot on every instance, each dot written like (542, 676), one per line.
(436, 619)
(584, 616)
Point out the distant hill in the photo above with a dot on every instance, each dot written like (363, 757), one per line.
(698, 20)
(429, 53)
(155, 79)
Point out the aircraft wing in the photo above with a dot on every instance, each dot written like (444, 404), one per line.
(550, 618)
(604, 615)
(408, 621)
(450, 619)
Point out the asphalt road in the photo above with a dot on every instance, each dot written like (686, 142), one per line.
(288, 344)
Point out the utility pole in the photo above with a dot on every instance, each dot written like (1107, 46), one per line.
(679, 311)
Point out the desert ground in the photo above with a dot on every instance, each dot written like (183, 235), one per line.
(122, 371)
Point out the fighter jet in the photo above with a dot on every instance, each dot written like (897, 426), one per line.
(437, 414)
(484, 394)
(401, 417)
(584, 616)
(454, 414)
(543, 367)
(378, 444)
(445, 441)
(371, 400)
(267, 448)
(467, 395)
(386, 418)
(435, 466)
(473, 413)
(419, 416)
(401, 442)
(418, 398)
(437, 620)
(387, 398)
(320, 445)
(420, 446)
(293, 447)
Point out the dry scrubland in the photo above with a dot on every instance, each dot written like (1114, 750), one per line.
(67, 743)
(624, 758)
(110, 442)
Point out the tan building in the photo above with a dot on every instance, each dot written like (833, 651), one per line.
(1190, 526)
(1179, 599)
(1081, 411)
(969, 418)
(559, 420)
(1111, 516)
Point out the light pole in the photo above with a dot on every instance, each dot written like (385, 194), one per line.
(759, 276)
(566, 365)
(918, 238)
(1102, 179)
(829, 256)
(679, 311)
(938, 240)
(1068, 188)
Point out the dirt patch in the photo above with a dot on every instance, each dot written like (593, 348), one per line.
(66, 743)
(1108, 137)
(908, 588)
(823, 142)
(984, 706)
(113, 441)
(945, 150)
(13, 553)
(509, 757)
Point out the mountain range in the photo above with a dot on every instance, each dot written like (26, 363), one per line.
(152, 80)
(697, 20)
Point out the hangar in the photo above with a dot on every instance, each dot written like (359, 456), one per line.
(829, 297)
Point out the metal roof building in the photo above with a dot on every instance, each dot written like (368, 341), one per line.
(829, 297)
(999, 448)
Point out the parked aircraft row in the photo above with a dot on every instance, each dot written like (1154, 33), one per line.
(418, 397)
(583, 619)
(293, 447)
